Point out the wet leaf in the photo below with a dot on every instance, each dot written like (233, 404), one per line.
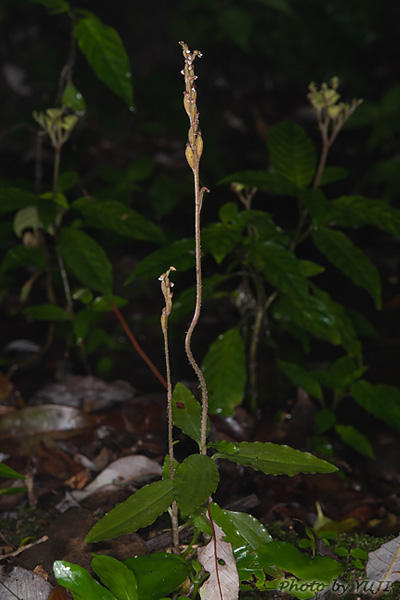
(79, 582)
(240, 528)
(158, 574)
(116, 577)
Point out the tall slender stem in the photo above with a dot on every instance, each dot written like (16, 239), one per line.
(194, 149)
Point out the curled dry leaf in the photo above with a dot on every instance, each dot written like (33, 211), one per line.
(217, 558)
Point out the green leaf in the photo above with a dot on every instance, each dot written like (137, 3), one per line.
(196, 479)
(262, 180)
(240, 528)
(316, 203)
(103, 304)
(12, 199)
(341, 374)
(19, 256)
(86, 259)
(6, 471)
(287, 557)
(220, 239)
(186, 412)
(73, 99)
(11, 491)
(347, 257)
(118, 217)
(140, 510)
(224, 368)
(116, 576)
(358, 211)
(67, 180)
(357, 440)
(280, 267)
(382, 401)
(158, 574)
(302, 378)
(163, 195)
(292, 153)
(228, 212)
(325, 419)
(183, 304)
(54, 6)
(179, 254)
(310, 268)
(262, 225)
(348, 336)
(106, 54)
(79, 582)
(333, 174)
(272, 459)
(47, 312)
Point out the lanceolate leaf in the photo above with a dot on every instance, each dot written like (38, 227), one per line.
(186, 412)
(138, 511)
(47, 312)
(220, 239)
(106, 54)
(302, 378)
(240, 528)
(281, 268)
(86, 259)
(383, 401)
(357, 211)
(195, 480)
(347, 257)
(262, 226)
(292, 153)
(357, 440)
(272, 459)
(6, 471)
(114, 215)
(159, 574)
(79, 582)
(120, 580)
(224, 368)
(179, 254)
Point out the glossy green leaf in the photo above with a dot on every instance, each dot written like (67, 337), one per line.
(110, 214)
(357, 211)
(347, 257)
(220, 239)
(357, 440)
(105, 53)
(19, 256)
(47, 312)
(287, 557)
(280, 267)
(79, 582)
(309, 314)
(272, 459)
(86, 259)
(54, 6)
(196, 480)
(179, 254)
(186, 412)
(302, 378)
(140, 510)
(348, 336)
(262, 180)
(6, 471)
(116, 576)
(292, 153)
(333, 174)
(158, 574)
(224, 368)
(73, 99)
(261, 225)
(240, 528)
(382, 401)
(11, 491)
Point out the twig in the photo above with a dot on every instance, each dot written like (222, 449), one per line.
(26, 547)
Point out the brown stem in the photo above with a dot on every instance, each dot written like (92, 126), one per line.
(136, 345)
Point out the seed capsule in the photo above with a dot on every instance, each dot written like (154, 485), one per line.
(199, 145)
(189, 156)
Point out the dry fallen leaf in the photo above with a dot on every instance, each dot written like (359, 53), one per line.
(217, 558)
(383, 566)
